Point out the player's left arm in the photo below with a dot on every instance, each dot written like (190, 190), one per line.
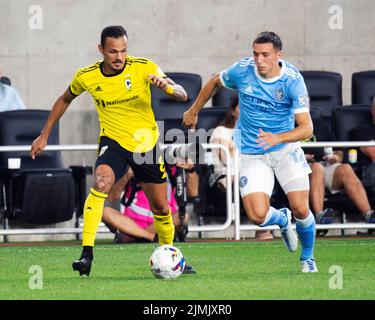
(296, 90)
(303, 130)
(176, 91)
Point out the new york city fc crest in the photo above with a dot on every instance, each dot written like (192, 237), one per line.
(243, 181)
(279, 94)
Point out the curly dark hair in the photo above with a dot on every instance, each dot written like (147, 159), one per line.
(112, 32)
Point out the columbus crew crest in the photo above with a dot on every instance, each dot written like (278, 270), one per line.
(128, 84)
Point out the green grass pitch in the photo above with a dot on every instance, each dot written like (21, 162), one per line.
(226, 271)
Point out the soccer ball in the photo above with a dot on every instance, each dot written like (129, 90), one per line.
(167, 262)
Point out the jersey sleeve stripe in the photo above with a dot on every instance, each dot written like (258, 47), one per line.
(136, 61)
(301, 110)
(87, 70)
(72, 92)
(222, 80)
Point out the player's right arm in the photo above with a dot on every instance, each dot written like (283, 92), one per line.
(190, 117)
(58, 109)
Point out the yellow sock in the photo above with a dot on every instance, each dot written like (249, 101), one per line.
(92, 215)
(164, 227)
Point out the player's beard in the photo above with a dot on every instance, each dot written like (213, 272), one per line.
(117, 67)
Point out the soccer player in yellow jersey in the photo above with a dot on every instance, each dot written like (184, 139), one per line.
(120, 87)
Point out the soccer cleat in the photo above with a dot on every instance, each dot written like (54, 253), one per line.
(189, 269)
(83, 265)
(325, 217)
(370, 216)
(287, 233)
(308, 266)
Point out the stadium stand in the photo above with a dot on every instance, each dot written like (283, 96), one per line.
(363, 87)
(41, 191)
(166, 108)
(348, 118)
(168, 113)
(325, 91)
(210, 118)
(221, 98)
(345, 119)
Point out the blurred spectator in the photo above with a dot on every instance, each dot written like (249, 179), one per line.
(135, 224)
(328, 172)
(223, 135)
(9, 98)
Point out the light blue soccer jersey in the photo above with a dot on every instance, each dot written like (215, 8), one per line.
(267, 104)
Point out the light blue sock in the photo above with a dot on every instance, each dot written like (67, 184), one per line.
(306, 232)
(273, 217)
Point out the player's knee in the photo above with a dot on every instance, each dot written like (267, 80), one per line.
(102, 187)
(258, 216)
(300, 211)
(103, 184)
(104, 179)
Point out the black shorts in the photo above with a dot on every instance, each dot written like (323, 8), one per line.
(147, 167)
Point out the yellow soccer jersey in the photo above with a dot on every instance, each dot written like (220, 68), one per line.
(123, 102)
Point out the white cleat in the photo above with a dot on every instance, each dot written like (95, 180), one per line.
(308, 266)
(287, 233)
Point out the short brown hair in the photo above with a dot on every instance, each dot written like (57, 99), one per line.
(269, 37)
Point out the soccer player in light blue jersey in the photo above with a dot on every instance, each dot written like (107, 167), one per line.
(273, 98)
